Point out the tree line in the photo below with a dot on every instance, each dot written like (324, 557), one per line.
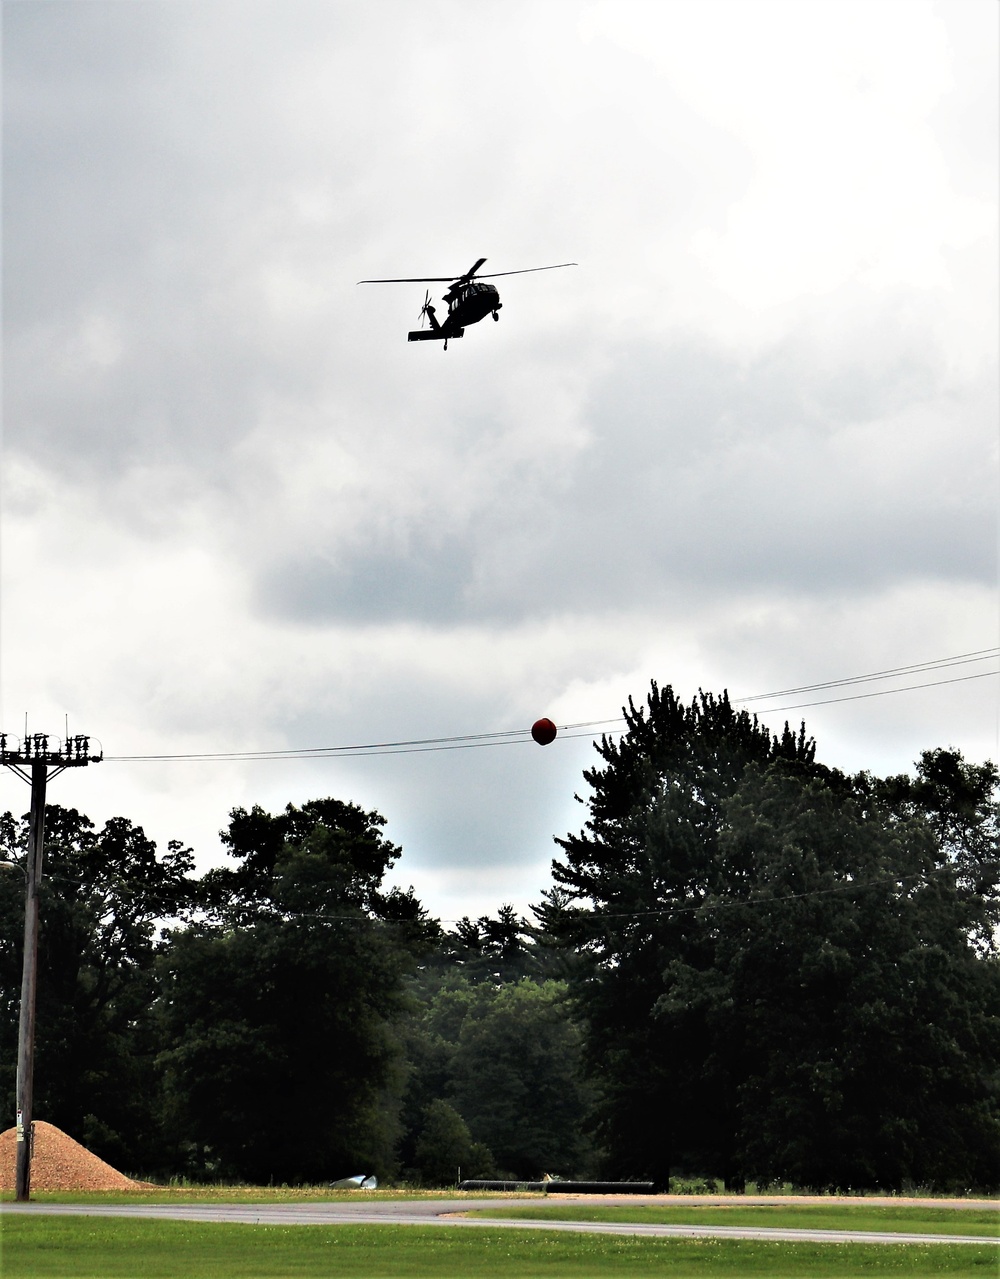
(749, 967)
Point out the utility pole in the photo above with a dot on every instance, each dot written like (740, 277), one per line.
(36, 762)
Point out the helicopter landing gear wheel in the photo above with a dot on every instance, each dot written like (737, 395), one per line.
(495, 316)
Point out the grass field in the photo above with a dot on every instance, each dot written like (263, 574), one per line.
(49, 1247)
(854, 1216)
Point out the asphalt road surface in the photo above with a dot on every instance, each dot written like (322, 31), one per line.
(445, 1212)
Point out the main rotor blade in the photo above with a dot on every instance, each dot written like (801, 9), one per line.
(420, 279)
(493, 275)
(453, 279)
(472, 270)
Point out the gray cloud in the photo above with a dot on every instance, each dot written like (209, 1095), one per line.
(750, 440)
(423, 583)
(701, 475)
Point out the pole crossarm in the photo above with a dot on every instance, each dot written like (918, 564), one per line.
(42, 748)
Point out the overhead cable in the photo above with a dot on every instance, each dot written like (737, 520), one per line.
(512, 737)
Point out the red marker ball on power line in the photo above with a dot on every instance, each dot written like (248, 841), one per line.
(543, 731)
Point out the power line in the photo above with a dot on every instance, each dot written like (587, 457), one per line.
(855, 697)
(516, 738)
(512, 737)
(941, 663)
(460, 742)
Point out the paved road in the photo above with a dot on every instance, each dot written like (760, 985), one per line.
(444, 1212)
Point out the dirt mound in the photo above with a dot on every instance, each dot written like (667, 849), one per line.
(60, 1163)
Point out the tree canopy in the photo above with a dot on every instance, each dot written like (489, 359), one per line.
(749, 967)
(103, 896)
(790, 974)
(279, 1011)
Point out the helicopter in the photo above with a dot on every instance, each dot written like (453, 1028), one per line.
(469, 301)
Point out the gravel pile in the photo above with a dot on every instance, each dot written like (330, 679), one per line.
(60, 1163)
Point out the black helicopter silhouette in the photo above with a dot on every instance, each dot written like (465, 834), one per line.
(469, 301)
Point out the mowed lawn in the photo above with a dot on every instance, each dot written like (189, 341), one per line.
(110, 1248)
(916, 1220)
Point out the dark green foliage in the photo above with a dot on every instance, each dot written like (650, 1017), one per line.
(493, 1035)
(101, 899)
(861, 1008)
(444, 1150)
(283, 1063)
(790, 974)
(958, 802)
(325, 857)
(493, 950)
(516, 1079)
(647, 858)
(507, 1058)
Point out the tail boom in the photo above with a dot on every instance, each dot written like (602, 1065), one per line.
(433, 335)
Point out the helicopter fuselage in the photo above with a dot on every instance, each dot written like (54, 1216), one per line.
(470, 301)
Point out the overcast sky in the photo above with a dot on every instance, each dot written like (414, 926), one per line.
(749, 442)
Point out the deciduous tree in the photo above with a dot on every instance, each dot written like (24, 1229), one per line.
(281, 1010)
(103, 897)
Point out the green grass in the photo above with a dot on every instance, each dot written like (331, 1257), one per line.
(854, 1216)
(47, 1247)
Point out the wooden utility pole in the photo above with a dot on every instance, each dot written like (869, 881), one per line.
(32, 759)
